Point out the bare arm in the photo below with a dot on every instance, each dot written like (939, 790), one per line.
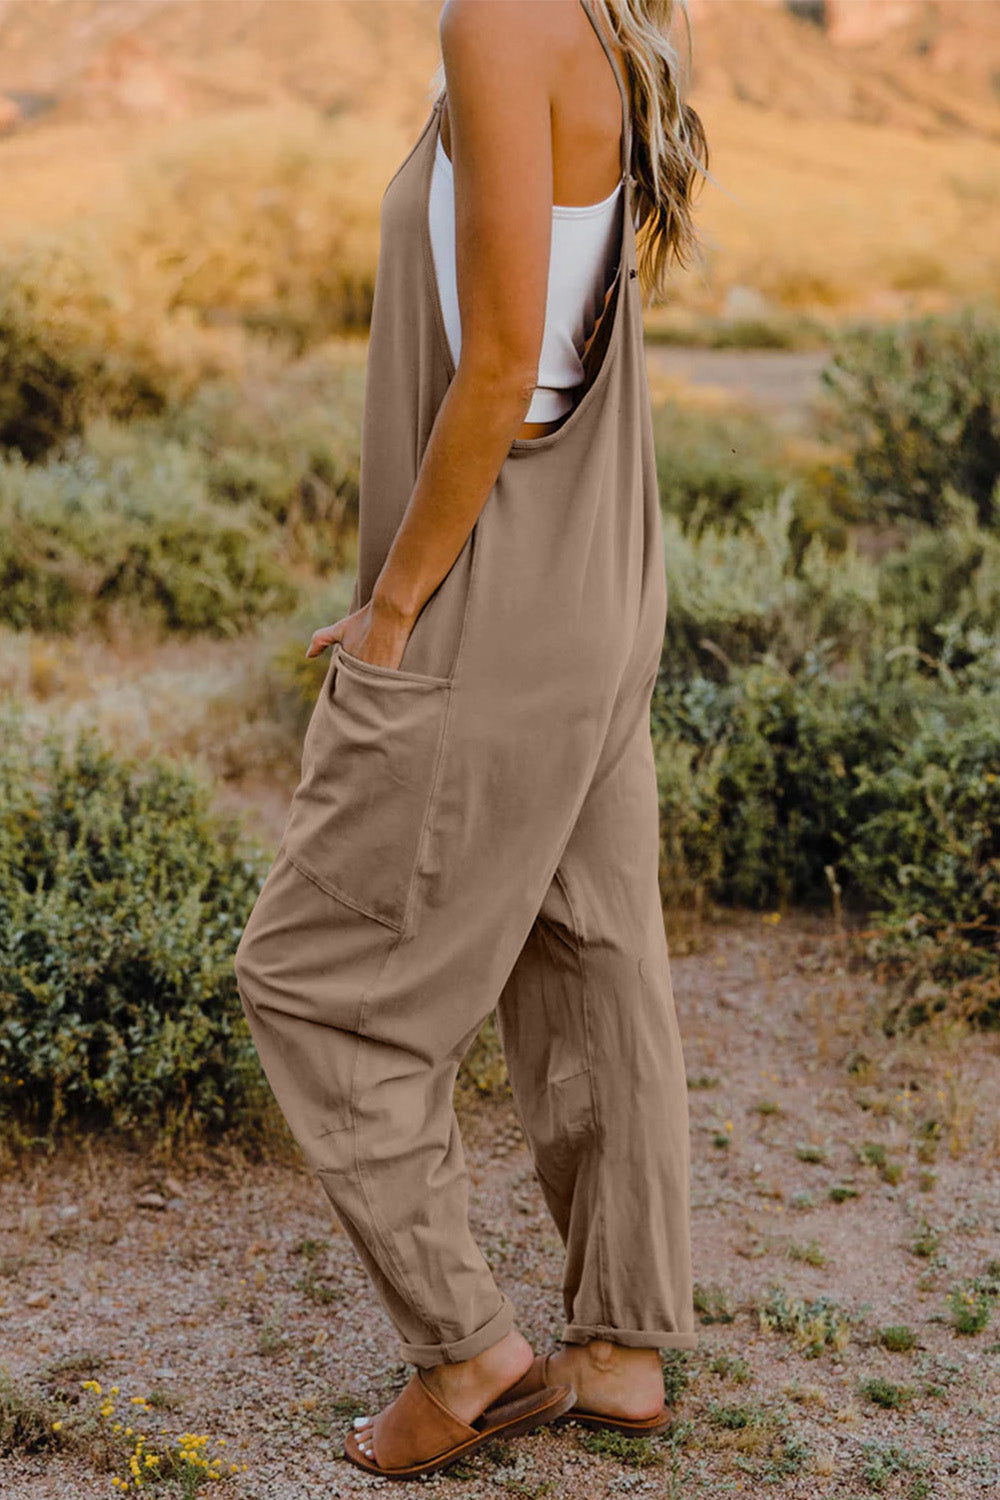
(499, 101)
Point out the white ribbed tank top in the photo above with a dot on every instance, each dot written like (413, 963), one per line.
(581, 265)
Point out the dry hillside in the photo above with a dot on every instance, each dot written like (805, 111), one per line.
(856, 143)
(912, 64)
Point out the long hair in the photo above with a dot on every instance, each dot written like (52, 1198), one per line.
(669, 147)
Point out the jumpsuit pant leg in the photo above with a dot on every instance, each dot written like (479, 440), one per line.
(361, 1028)
(369, 1095)
(595, 1060)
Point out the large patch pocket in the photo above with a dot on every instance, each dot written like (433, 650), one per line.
(369, 765)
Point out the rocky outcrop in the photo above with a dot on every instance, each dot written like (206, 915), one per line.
(128, 78)
(849, 22)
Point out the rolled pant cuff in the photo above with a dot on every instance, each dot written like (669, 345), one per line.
(632, 1338)
(427, 1355)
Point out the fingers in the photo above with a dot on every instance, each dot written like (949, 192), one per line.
(323, 638)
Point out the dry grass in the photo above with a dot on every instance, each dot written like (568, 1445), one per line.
(844, 217)
(267, 215)
(231, 709)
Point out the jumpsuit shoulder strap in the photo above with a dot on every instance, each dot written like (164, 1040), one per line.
(626, 135)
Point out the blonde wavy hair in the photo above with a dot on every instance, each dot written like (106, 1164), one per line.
(669, 146)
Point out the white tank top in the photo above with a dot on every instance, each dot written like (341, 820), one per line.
(582, 262)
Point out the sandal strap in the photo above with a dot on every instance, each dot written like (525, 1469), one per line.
(417, 1426)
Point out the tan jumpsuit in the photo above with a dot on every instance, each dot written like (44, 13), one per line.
(478, 829)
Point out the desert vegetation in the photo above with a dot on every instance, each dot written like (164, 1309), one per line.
(182, 354)
(826, 721)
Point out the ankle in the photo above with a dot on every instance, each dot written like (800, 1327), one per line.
(512, 1353)
(603, 1357)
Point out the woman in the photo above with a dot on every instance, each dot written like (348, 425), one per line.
(476, 823)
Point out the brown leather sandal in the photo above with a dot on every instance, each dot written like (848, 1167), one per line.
(417, 1434)
(536, 1378)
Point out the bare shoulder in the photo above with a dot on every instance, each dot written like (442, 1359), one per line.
(507, 31)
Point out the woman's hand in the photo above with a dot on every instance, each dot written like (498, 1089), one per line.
(374, 633)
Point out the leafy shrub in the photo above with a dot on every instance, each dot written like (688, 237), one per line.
(289, 444)
(736, 592)
(762, 762)
(718, 468)
(890, 780)
(919, 406)
(944, 582)
(131, 529)
(122, 899)
(77, 339)
(930, 842)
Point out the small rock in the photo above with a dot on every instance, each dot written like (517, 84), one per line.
(745, 302)
(31, 1221)
(36, 1299)
(150, 1200)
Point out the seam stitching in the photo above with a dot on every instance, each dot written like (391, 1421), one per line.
(329, 889)
(408, 912)
(600, 1228)
(406, 922)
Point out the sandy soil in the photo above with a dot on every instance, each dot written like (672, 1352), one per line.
(238, 1305)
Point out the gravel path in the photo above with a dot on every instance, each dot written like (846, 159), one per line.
(782, 383)
(235, 1303)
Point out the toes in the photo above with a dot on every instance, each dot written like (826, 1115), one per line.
(363, 1436)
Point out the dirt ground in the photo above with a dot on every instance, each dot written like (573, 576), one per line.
(233, 1302)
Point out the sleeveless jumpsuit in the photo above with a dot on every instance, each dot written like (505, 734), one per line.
(478, 830)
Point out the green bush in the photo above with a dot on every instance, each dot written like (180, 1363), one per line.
(131, 530)
(889, 780)
(758, 775)
(945, 581)
(919, 406)
(122, 900)
(74, 343)
(716, 468)
(736, 591)
(289, 444)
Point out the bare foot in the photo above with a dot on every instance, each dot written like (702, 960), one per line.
(468, 1387)
(610, 1379)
